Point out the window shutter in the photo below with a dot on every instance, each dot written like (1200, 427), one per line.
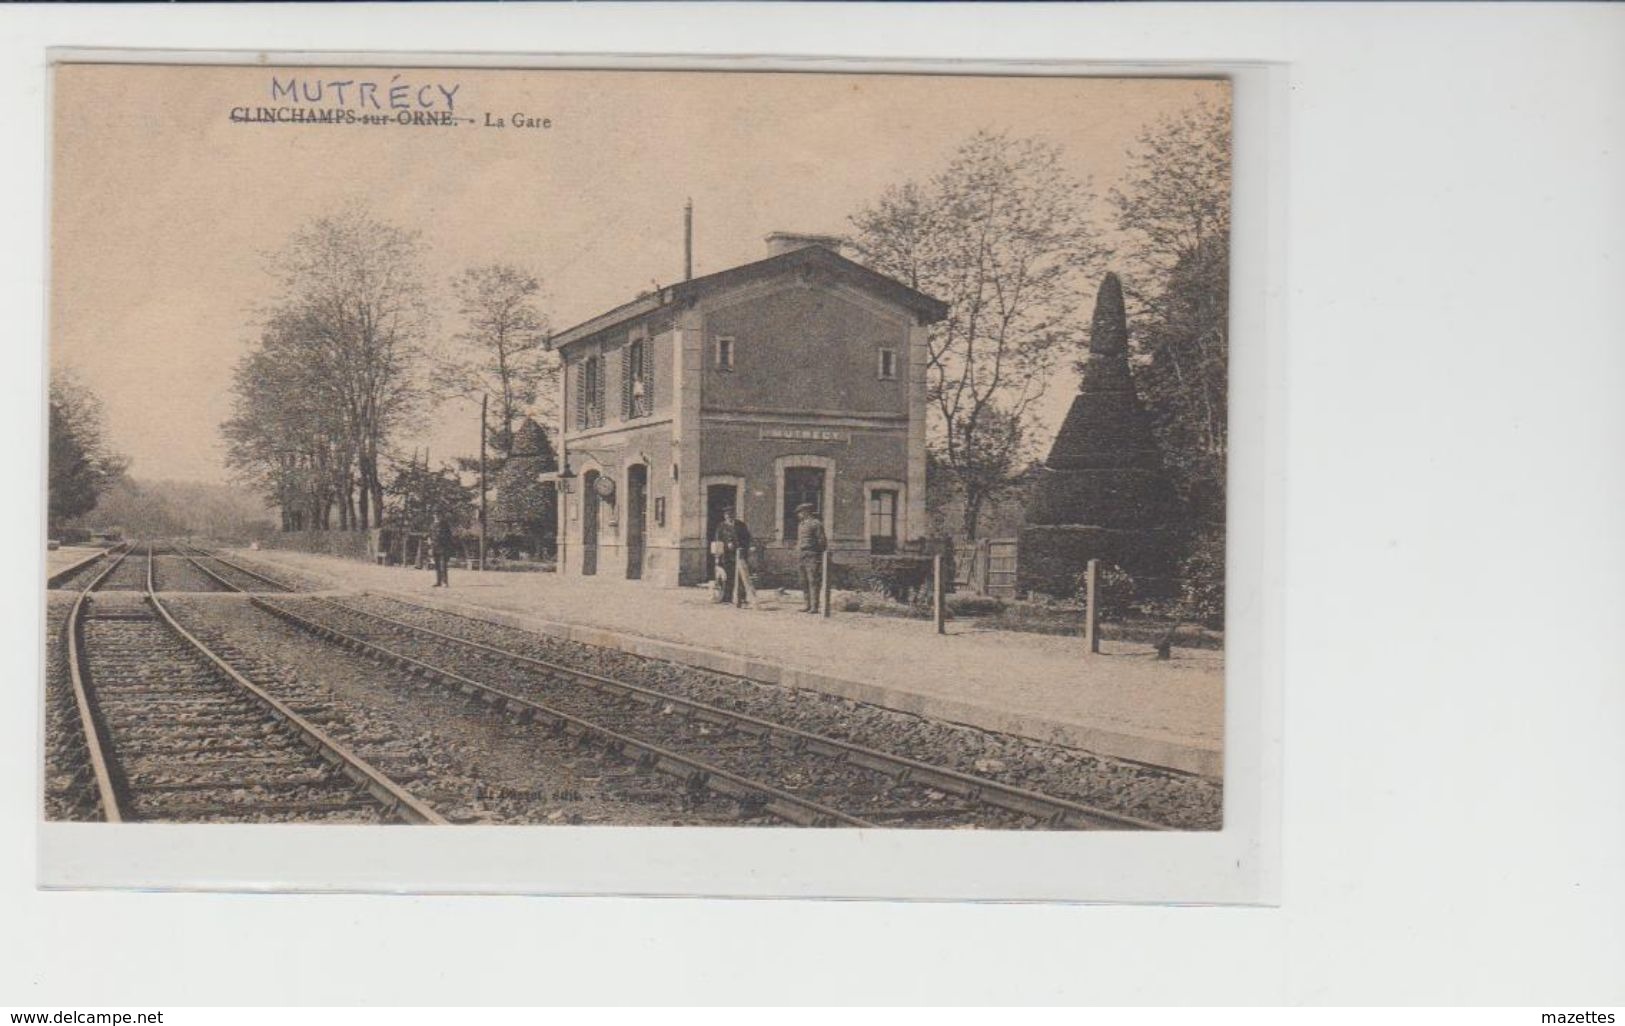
(598, 391)
(581, 395)
(647, 351)
(628, 359)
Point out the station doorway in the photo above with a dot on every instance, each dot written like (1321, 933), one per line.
(718, 497)
(637, 508)
(589, 522)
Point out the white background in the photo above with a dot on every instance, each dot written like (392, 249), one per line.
(1454, 545)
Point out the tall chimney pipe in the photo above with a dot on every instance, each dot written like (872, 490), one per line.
(688, 239)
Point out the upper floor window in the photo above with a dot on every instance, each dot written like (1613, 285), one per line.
(724, 356)
(887, 370)
(589, 399)
(637, 379)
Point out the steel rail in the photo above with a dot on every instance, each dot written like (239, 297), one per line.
(95, 750)
(205, 571)
(61, 576)
(395, 799)
(694, 772)
(964, 785)
(239, 568)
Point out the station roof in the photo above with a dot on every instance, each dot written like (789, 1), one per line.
(927, 308)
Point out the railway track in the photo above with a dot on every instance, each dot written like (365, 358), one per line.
(226, 575)
(471, 762)
(74, 578)
(792, 774)
(171, 731)
(178, 572)
(122, 572)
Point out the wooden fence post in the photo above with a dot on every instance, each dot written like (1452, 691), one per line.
(823, 582)
(1091, 614)
(938, 591)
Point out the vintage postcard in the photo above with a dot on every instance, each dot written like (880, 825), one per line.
(566, 447)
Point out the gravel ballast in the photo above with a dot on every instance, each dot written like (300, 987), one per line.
(1173, 799)
(471, 763)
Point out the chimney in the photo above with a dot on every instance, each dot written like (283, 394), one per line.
(688, 239)
(786, 242)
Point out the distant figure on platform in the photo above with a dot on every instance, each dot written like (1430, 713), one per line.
(442, 550)
(810, 545)
(735, 560)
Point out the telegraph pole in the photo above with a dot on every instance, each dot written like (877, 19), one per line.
(483, 400)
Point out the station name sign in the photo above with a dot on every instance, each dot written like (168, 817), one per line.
(799, 434)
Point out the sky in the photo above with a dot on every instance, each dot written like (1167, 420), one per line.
(164, 208)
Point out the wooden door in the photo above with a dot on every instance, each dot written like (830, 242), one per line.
(589, 522)
(637, 509)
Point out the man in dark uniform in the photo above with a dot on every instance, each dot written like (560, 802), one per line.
(442, 551)
(810, 545)
(735, 558)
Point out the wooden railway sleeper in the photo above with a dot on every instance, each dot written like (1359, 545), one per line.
(379, 787)
(1007, 796)
(654, 757)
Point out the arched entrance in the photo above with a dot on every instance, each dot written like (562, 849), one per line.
(637, 508)
(589, 522)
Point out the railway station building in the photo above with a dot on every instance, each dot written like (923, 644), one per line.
(797, 378)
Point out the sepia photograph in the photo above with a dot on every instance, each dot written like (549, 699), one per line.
(637, 448)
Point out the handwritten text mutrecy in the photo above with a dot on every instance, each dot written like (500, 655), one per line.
(398, 92)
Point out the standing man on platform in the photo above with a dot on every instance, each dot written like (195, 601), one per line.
(442, 551)
(810, 545)
(735, 539)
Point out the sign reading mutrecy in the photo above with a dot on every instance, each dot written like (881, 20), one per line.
(806, 434)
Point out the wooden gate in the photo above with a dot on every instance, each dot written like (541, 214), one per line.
(987, 567)
(1001, 567)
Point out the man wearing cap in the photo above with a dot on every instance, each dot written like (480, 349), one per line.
(810, 545)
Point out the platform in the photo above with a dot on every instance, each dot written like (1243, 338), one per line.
(1123, 702)
(68, 557)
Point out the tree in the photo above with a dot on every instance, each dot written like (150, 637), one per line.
(1002, 236)
(504, 350)
(141, 511)
(1174, 208)
(288, 436)
(1185, 381)
(421, 494)
(163, 509)
(82, 464)
(1176, 194)
(351, 288)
